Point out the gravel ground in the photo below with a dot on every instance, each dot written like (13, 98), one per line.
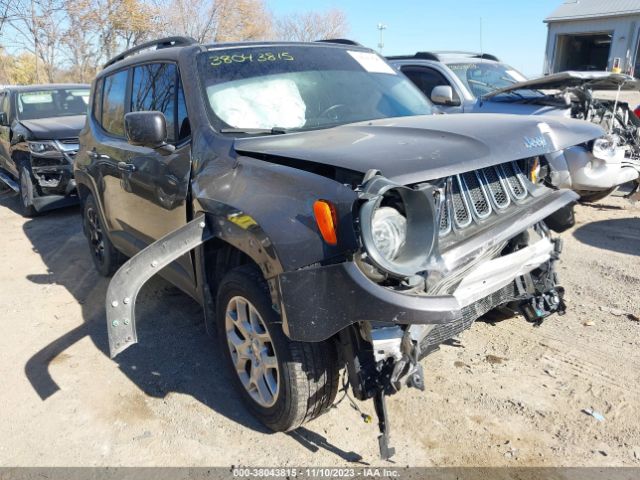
(507, 393)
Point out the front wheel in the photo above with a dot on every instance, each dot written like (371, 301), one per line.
(27, 193)
(592, 197)
(284, 383)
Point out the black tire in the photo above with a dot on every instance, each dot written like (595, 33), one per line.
(561, 220)
(27, 193)
(592, 197)
(105, 257)
(308, 372)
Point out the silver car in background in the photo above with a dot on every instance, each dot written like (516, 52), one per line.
(463, 82)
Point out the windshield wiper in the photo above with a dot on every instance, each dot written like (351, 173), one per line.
(256, 131)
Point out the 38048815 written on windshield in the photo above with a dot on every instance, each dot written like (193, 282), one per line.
(217, 60)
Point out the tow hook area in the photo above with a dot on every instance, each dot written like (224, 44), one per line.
(380, 361)
(543, 296)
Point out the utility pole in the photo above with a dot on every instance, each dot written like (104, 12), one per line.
(382, 27)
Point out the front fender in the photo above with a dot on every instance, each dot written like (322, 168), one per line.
(274, 204)
(127, 281)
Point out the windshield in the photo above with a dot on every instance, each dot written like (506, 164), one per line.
(482, 78)
(303, 87)
(52, 103)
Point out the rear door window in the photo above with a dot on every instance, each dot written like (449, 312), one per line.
(113, 103)
(154, 89)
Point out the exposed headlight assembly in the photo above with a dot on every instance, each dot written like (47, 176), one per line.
(605, 148)
(44, 148)
(398, 226)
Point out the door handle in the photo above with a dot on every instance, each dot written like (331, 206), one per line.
(97, 156)
(126, 167)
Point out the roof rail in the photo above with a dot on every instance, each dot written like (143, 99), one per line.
(484, 56)
(342, 41)
(420, 55)
(158, 44)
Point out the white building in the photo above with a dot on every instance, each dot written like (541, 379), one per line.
(594, 35)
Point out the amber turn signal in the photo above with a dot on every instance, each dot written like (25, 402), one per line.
(326, 219)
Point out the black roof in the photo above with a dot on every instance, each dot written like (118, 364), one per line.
(170, 47)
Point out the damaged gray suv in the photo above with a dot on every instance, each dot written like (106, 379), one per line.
(304, 194)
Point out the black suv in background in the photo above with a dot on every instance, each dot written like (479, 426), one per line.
(39, 127)
(304, 194)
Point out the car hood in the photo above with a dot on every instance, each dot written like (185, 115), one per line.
(419, 148)
(592, 80)
(54, 128)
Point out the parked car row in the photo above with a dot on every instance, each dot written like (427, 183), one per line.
(308, 198)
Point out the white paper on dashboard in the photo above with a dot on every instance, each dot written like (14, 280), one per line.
(371, 62)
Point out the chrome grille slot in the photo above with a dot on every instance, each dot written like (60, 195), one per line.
(461, 211)
(515, 180)
(445, 214)
(476, 194)
(497, 187)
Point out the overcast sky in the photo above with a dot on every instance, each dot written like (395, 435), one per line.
(512, 29)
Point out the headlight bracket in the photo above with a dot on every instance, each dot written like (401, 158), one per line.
(422, 232)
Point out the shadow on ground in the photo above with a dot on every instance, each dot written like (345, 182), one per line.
(617, 235)
(174, 354)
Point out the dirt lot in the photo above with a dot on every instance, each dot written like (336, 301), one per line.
(507, 394)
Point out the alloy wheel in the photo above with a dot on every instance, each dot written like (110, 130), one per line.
(96, 239)
(252, 352)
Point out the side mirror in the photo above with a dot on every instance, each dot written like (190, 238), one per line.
(443, 95)
(3, 119)
(147, 129)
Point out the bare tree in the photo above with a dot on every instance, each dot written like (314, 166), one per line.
(80, 41)
(310, 26)
(243, 20)
(192, 18)
(37, 25)
(217, 20)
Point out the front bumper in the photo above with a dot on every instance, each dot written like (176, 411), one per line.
(54, 179)
(318, 302)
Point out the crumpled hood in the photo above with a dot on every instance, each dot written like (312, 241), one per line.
(419, 148)
(592, 80)
(54, 128)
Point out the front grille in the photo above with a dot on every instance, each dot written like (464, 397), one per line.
(70, 141)
(475, 196)
(470, 313)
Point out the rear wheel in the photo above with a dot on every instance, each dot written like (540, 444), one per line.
(27, 193)
(284, 383)
(105, 257)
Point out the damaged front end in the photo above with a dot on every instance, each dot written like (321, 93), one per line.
(434, 257)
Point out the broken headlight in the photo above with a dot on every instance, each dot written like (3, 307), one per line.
(605, 148)
(389, 229)
(44, 148)
(398, 226)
